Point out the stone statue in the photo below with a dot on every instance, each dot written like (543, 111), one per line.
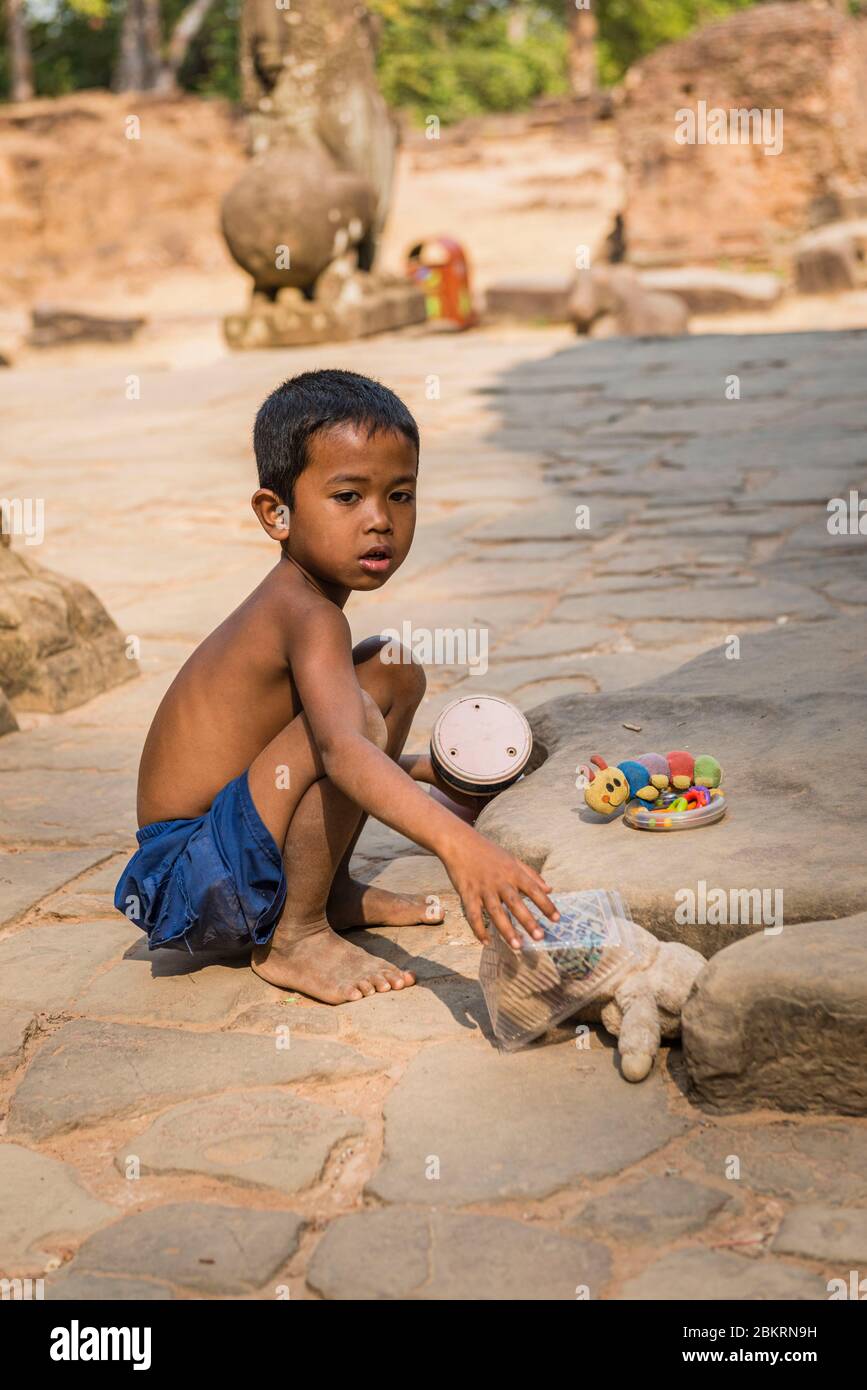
(304, 218)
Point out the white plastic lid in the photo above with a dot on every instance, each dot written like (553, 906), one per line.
(481, 740)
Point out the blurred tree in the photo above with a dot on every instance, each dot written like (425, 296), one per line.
(629, 29)
(20, 58)
(582, 27)
(451, 58)
(456, 58)
(144, 62)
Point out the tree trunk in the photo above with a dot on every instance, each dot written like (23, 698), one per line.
(140, 58)
(582, 51)
(20, 59)
(141, 66)
(187, 27)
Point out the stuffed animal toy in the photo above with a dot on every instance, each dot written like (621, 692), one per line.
(646, 1004)
(646, 777)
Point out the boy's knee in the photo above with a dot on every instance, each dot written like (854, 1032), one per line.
(376, 728)
(406, 675)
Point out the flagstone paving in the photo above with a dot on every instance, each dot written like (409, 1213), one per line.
(603, 514)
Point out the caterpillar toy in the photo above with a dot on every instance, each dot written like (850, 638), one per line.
(646, 777)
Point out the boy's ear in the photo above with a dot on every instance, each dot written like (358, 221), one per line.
(273, 514)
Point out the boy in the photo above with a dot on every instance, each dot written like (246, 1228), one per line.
(277, 736)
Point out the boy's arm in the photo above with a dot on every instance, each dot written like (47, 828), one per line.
(486, 877)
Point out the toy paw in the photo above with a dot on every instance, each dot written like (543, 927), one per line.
(647, 1004)
(635, 1066)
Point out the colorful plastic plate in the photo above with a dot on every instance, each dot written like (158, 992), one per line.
(643, 817)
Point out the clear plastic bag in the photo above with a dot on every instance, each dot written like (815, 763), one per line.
(589, 950)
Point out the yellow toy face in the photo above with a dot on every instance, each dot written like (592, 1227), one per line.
(608, 790)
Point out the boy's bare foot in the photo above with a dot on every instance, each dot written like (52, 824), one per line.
(320, 963)
(355, 904)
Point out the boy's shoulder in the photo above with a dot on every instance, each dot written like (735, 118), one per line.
(288, 601)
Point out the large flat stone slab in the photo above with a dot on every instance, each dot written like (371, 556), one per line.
(46, 808)
(15, 1024)
(831, 1235)
(89, 1071)
(29, 875)
(447, 1008)
(654, 1209)
(98, 1288)
(44, 967)
(42, 1203)
(701, 1275)
(168, 987)
(467, 1124)
(781, 1021)
(778, 718)
(797, 1161)
(408, 1254)
(200, 1246)
(265, 1138)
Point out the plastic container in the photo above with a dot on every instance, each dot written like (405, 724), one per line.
(589, 950)
(480, 744)
(658, 817)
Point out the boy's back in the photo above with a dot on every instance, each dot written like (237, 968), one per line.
(228, 701)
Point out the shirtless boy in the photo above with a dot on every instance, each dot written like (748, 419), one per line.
(278, 736)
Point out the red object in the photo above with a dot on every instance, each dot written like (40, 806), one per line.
(439, 267)
(681, 764)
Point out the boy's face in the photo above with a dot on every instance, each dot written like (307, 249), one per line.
(353, 519)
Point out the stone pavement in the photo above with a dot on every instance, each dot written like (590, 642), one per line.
(171, 1132)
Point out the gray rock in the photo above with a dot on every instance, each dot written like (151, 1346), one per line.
(15, 1024)
(406, 1254)
(31, 875)
(42, 1203)
(47, 809)
(206, 1247)
(44, 967)
(58, 645)
(520, 1125)
(828, 1234)
(611, 301)
(654, 1209)
(265, 1138)
(96, 1288)
(803, 1163)
(700, 1275)
(8, 722)
(705, 290)
(372, 1255)
(530, 297)
(89, 1071)
(781, 1021)
(701, 603)
(450, 1008)
(168, 987)
(806, 679)
(832, 258)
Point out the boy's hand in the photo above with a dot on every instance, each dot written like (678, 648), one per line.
(487, 877)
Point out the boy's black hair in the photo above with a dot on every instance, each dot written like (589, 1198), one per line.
(315, 401)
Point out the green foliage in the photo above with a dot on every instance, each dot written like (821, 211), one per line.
(450, 58)
(211, 65)
(628, 29)
(75, 43)
(456, 58)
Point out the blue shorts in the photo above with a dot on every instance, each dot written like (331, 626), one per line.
(214, 882)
